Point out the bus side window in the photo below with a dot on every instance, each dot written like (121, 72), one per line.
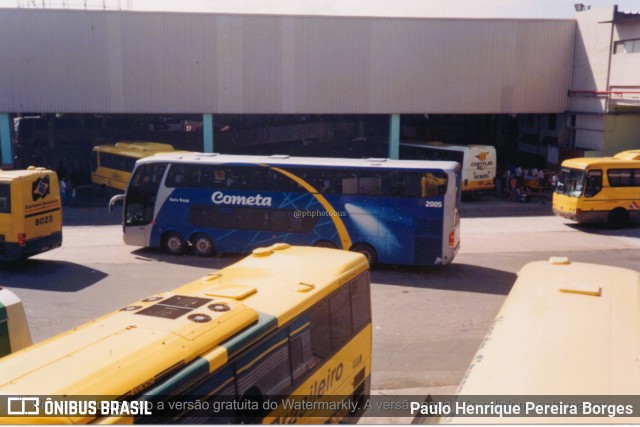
(360, 301)
(433, 184)
(320, 329)
(265, 371)
(594, 183)
(5, 198)
(300, 347)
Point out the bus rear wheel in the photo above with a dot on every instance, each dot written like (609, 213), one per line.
(202, 245)
(173, 243)
(618, 218)
(368, 251)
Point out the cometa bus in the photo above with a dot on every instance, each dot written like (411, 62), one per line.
(563, 348)
(393, 211)
(600, 189)
(285, 324)
(30, 213)
(111, 164)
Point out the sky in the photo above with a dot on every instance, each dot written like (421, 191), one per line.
(545, 9)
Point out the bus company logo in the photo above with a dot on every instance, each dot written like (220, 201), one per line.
(40, 188)
(482, 156)
(482, 162)
(219, 198)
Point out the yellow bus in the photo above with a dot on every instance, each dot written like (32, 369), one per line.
(600, 190)
(30, 213)
(284, 321)
(111, 165)
(563, 348)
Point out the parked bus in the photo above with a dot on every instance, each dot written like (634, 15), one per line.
(284, 324)
(566, 337)
(111, 165)
(394, 212)
(600, 190)
(478, 161)
(30, 213)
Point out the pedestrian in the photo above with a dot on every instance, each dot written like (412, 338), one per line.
(71, 192)
(519, 175)
(63, 190)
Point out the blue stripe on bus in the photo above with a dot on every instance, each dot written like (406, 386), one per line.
(266, 323)
(198, 368)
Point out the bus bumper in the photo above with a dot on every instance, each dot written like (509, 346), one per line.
(13, 251)
(590, 217)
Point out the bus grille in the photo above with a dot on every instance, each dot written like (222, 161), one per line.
(427, 250)
(429, 227)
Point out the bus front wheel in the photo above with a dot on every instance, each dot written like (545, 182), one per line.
(368, 251)
(618, 218)
(202, 245)
(173, 243)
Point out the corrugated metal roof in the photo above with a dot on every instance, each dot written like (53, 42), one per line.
(132, 62)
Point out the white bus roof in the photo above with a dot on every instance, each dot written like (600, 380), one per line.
(285, 160)
(443, 146)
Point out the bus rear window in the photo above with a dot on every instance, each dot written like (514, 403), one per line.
(5, 198)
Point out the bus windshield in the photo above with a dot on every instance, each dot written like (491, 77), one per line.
(571, 182)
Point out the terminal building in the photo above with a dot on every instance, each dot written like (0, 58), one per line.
(540, 90)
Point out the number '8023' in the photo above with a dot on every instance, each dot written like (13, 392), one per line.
(44, 220)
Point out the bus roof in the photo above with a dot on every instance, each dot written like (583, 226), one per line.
(566, 328)
(593, 162)
(110, 355)
(628, 155)
(14, 174)
(137, 149)
(286, 160)
(443, 146)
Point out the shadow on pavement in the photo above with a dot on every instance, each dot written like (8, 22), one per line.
(633, 230)
(214, 262)
(452, 277)
(48, 275)
(492, 205)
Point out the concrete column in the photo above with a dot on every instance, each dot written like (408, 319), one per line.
(394, 136)
(6, 148)
(207, 133)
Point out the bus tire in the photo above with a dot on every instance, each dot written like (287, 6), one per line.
(325, 244)
(368, 251)
(202, 245)
(618, 218)
(173, 243)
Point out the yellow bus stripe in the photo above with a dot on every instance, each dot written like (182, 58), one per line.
(297, 330)
(263, 354)
(345, 239)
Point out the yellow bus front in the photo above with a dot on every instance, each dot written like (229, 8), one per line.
(569, 196)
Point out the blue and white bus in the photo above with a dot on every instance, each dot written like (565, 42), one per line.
(392, 211)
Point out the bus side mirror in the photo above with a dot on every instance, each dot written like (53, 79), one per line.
(115, 199)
